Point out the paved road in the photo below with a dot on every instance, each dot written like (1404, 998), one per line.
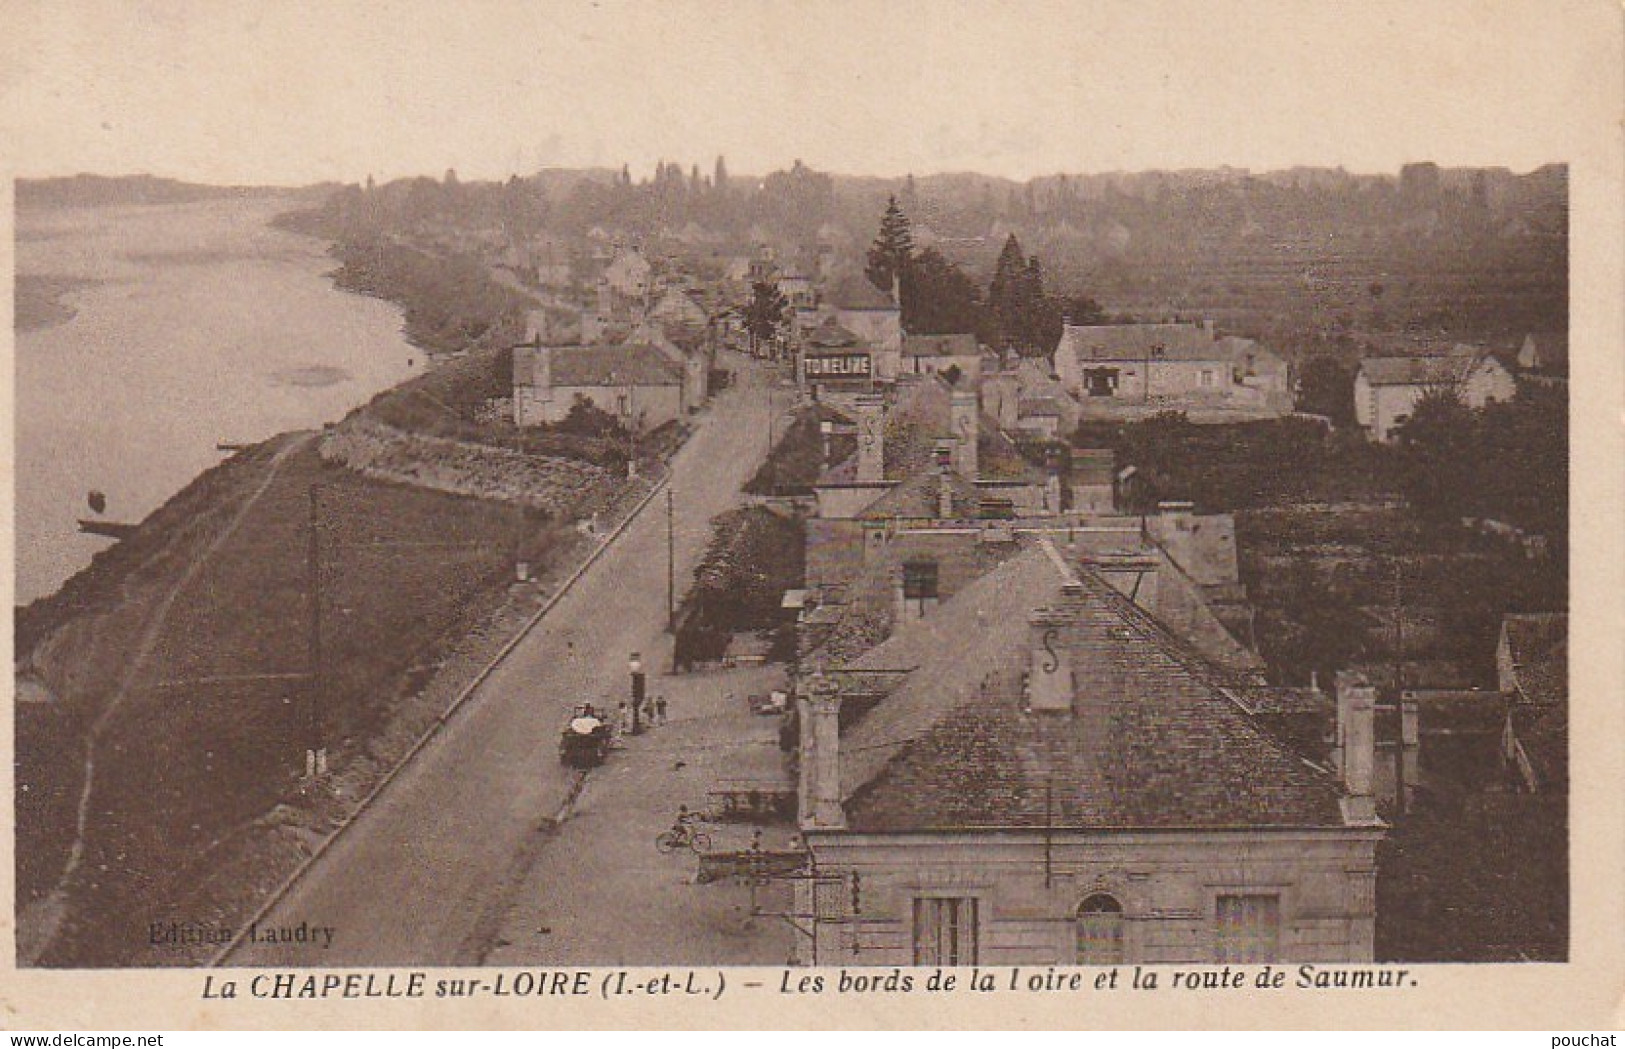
(418, 879)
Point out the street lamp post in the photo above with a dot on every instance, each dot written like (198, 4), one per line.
(635, 665)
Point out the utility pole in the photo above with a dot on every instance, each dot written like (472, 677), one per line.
(315, 748)
(521, 566)
(671, 566)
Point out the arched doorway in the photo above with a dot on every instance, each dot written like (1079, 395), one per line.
(1100, 930)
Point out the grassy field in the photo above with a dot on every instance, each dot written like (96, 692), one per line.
(199, 747)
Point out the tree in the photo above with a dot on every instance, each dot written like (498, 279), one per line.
(939, 298)
(1438, 442)
(1082, 309)
(765, 314)
(1008, 296)
(892, 250)
(1327, 388)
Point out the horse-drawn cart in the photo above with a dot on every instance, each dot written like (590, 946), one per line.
(585, 740)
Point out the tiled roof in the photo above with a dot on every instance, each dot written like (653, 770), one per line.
(1438, 370)
(940, 346)
(609, 365)
(1153, 743)
(831, 334)
(919, 497)
(1138, 342)
(857, 293)
(922, 417)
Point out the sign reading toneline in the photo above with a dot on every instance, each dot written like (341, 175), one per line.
(846, 365)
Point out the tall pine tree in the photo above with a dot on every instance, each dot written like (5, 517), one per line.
(892, 250)
(1007, 295)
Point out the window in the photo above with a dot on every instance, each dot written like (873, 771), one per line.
(1100, 382)
(944, 931)
(919, 580)
(1247, 928)
(1207, 377)
(1100, 930)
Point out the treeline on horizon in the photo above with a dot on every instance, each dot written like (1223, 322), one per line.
(1460, 251)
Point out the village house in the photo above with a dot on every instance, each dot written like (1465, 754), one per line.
(1387, 389)
(1035, 771)
(956, 358)
(873, 316)
(635, 382)
(675, 306)
(935, 495)
(831, 357)
(1170, 367)
(629, 275)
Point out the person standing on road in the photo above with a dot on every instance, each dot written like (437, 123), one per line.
(660, 709)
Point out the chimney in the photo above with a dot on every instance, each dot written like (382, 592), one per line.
(1410, 747)
(871, 439)
(945, 490)
(1357, 746)
(535, 327)
(821, 755)
(1049, 677)
(963, 415)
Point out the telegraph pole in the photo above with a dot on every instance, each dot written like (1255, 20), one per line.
(671, 567)
(315, 749)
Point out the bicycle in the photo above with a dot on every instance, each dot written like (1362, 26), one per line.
(670, 841)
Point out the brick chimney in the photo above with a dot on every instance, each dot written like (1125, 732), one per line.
(1356, 753)
(963, 415)
(871, 439)
(821, 755)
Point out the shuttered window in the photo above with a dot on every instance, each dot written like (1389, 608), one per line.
(944, 931)
(1247, 928)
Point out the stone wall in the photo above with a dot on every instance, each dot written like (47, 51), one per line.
(564, 488)
(1167, 885)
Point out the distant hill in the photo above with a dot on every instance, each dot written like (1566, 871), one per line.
(81, 191)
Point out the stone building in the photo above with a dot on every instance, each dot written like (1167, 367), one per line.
(1035, 771)
(1170, 367)
(956, 356)
(1387, 389)
(634, 382)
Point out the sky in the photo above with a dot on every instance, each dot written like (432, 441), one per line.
(274, 92)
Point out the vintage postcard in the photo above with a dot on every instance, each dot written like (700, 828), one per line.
(537, 514)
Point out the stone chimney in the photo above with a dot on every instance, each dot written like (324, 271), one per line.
(944, 453)
(871, 438)
(1049, 676)
(1356, 753)
(964, 418)
(821, 755)
(1410, 743)
(535, 327)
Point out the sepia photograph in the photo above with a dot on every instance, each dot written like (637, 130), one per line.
(851, 492)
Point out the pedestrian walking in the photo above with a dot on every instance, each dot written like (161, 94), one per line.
(623, 719)
(660, 709)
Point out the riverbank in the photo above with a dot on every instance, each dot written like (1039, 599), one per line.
(161, 754)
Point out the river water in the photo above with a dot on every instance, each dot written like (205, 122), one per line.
(148, 333)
